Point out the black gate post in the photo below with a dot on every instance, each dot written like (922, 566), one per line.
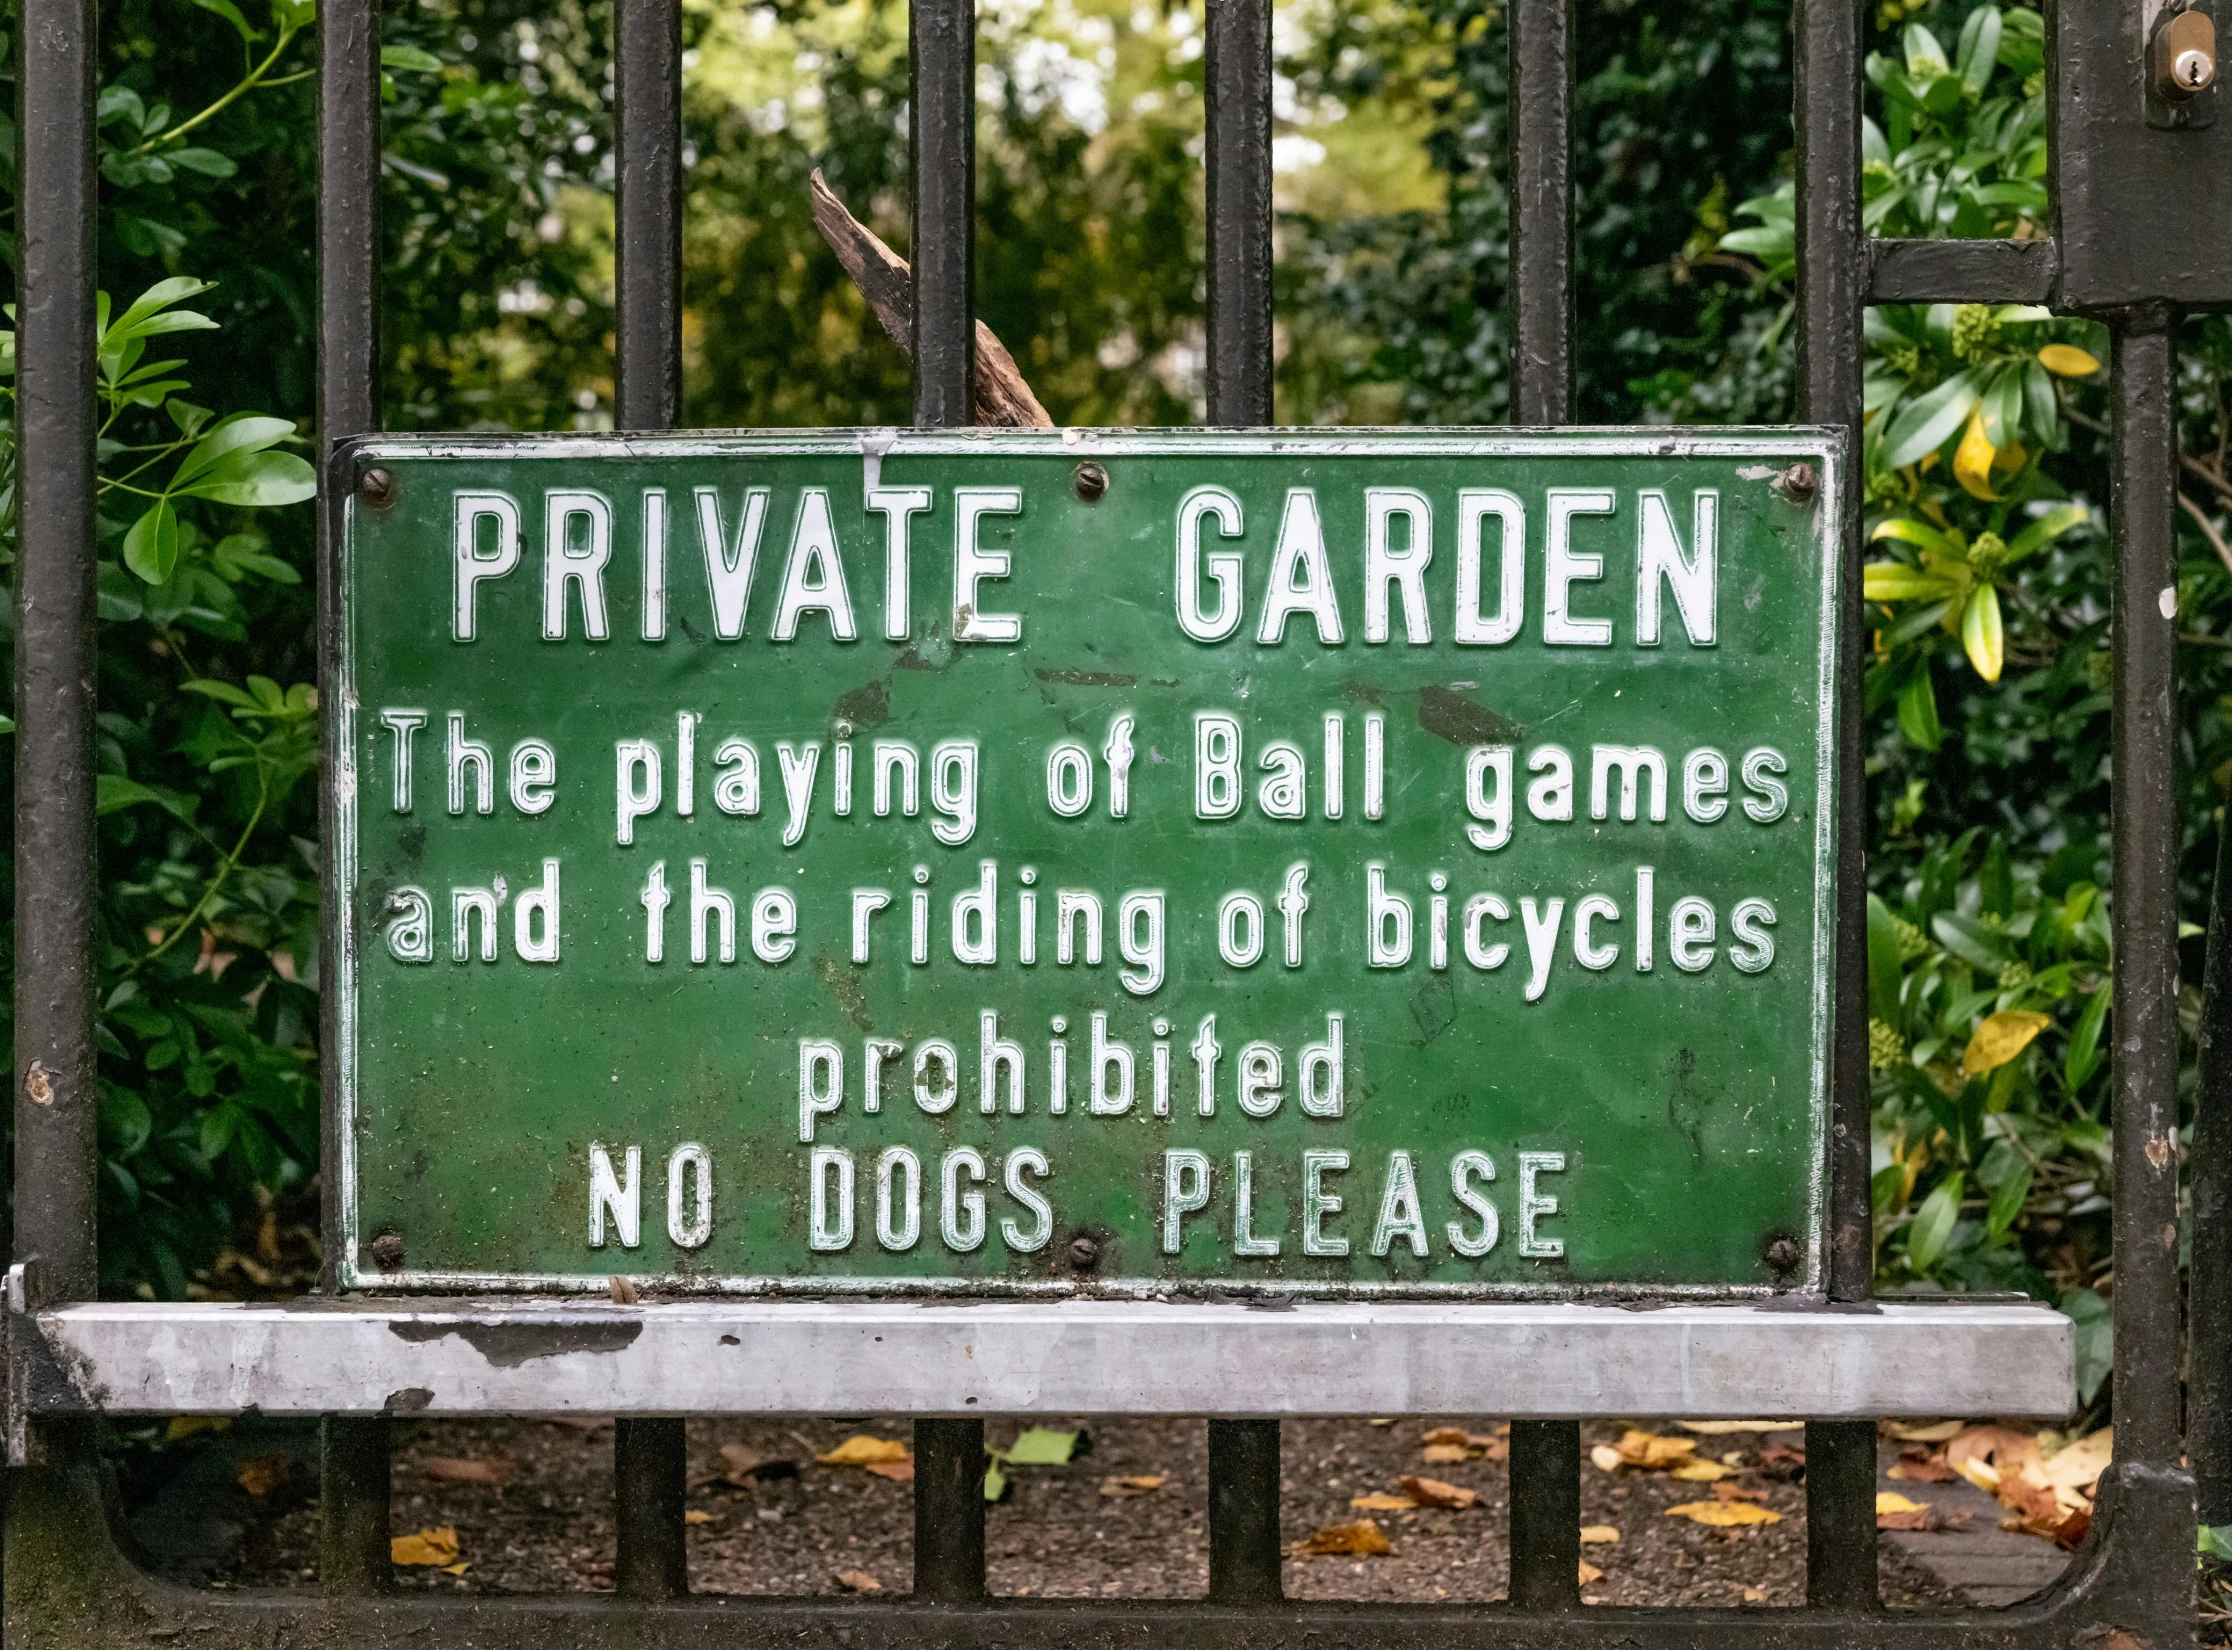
(1244, 1557)
(353, 1471)
(55, 1099)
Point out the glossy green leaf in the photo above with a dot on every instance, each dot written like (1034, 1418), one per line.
(1918, 713)
(151, 545)
(1933, 1223)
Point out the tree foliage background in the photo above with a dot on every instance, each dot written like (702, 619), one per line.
(1988, 719)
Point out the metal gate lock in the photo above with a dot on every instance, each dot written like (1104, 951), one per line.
(2184, 55)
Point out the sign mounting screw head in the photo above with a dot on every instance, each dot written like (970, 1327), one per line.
(1090, 480)
(1799, 483)
(1782, 1254)
(387, 1251)
(377, 488)
(1084, 1253)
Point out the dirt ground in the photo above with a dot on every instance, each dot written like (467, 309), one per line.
(531, 1504)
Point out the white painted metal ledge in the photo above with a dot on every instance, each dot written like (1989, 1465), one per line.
(1074, 1358)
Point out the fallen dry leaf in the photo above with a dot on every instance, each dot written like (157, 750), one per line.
(1995, 1449)
(1381, 1501)
(1651, 1452)
(428, 1549)
(259, 1475)
(1891, 1501)
(1923, 1432)
(860, 1449)
(696, 1515)
(456, 1569)
(1784, 1461)
(1598, 1535)
(1755, 1595)
(1922, 1467)
(857, 1581)
(1724, 1513)
(622, 1290)
(1445, 1435)
(1432, 1492)
(899, 1472)
(1699, 1472)
(1362, 1539)
(1146, 1483)
(461, 1469)
(744, 1468)
(1442, 1455)
(1737, 1492)
(1606, 1457)
(2073, 1471)
(1715, 1428)
(1589, 1573)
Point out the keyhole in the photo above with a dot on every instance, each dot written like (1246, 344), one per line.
(2193, 68)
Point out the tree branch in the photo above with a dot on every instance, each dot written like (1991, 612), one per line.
(1003, 398)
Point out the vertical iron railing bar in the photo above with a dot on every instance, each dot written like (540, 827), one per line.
(2142, 514)
(1236, 66)
(949, 1511)
(2209, 1268)
(941, 53)
(1541, 191)
(353, 1471)
(1236, 155)
(649, 1494)
(647, 154)
(1832, 272)
(1545, 1469)
(649, 1468)
(1545, 1463)
(55, 1147)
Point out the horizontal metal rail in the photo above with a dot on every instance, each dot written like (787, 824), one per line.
(1530, 1361)
(1963, 272)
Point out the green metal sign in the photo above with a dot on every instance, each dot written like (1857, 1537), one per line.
(1326, 862)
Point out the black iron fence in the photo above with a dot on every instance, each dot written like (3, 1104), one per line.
(66, 1583)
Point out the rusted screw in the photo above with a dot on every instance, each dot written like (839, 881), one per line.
(1084, 1253)
(1799, 483)
(387, 1251)
(377, 487)
(1782, 1254)
(1090, 480)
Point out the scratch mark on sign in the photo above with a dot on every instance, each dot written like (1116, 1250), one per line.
(1086, 678)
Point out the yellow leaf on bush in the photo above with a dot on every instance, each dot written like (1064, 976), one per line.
(1724, 1513)
(2067, 361)
(429, 1549)
(2000, 1038)
(860, 1449)
(1972, 460)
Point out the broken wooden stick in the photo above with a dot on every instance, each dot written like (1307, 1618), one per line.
(1003, 399)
